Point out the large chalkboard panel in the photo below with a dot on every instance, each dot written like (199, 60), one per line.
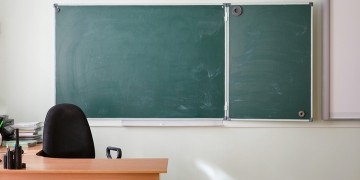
(270, 62)
(141, 61)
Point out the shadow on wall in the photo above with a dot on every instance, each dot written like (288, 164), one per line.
(212, 171)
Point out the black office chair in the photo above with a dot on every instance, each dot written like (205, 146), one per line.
(67, 133)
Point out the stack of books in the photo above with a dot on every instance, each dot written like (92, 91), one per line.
(30, 133)
(29, 130)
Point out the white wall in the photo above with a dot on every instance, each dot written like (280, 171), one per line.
(321, 150)
(2, 62)
(27, 30)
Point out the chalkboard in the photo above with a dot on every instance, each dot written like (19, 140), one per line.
(141, 61)
(270, 62)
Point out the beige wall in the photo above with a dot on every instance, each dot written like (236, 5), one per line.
(321, 150)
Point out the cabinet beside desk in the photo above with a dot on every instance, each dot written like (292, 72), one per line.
(90, 169)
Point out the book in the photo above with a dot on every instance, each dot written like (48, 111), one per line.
(27, 125)
(26, 134)
(23, 143)
(30, 130)
(38, 136)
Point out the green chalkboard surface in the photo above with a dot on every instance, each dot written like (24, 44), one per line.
(141, 61)
(270, 62)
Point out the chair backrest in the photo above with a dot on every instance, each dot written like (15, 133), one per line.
(67, 133)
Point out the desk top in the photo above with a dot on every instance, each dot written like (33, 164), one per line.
(36, 164)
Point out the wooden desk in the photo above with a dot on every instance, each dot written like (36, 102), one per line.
(90, 169)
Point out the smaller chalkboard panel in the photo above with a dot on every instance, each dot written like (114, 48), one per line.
(270, 62)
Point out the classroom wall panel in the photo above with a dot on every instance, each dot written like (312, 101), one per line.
(342, 76)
